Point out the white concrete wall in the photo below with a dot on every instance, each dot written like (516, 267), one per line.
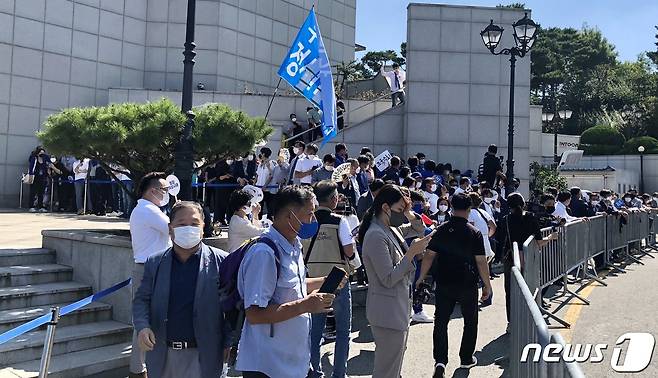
(239, 44)
(62, 53)
(627, 163)
(56, 54)
(458, 92)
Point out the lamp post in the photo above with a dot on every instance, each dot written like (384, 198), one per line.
(641, 151)
(184, 154)
(524, 37)
(553, 118)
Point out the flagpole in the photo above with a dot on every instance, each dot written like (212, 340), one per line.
(272, 99)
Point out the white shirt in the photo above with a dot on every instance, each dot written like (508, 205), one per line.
(561, 212)
(241, 230)
(80, 168)
(390, 78)
(264, 174)
(306, 164)
(433, 200)
(345, 233)
(480, 221)
(149, 230)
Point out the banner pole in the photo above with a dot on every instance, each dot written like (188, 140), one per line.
(272, 99)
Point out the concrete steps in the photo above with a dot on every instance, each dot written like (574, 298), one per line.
(88, 343)
(69, 339)
(19, 275)
(93, 312)
(42, 294)
(108, 361)
(11, 257)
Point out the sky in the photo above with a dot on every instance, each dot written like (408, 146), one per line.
(628, 25)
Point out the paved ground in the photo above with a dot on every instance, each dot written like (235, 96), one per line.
(20, 229)
(628, 304)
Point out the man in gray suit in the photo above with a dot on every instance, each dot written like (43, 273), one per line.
(176, 308)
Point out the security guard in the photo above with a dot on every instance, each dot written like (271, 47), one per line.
(456, 257)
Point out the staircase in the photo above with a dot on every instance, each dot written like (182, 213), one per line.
(87, 342)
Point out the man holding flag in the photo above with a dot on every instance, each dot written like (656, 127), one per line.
(307, 69)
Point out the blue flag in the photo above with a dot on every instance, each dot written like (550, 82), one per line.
(306, 68)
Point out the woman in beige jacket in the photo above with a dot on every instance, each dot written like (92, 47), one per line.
(390, 267)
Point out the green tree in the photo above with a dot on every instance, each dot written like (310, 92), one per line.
(650, 145)
(542, 177)
(513, 5)
(403, 50)
(601, 140)
(653, 55)
(142, 137)
(371, 62)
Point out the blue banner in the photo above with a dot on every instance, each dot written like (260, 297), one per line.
(306, 68)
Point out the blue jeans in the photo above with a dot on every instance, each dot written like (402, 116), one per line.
(343, 313)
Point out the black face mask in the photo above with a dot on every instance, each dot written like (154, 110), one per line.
(550, 209)
(397, 218)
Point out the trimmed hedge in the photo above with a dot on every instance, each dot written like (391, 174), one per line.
(650, 145)
(602, 135)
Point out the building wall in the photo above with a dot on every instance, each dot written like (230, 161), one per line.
(240, 44)
(62, 53)
(56, 54)
(458, 92)
(630, 164)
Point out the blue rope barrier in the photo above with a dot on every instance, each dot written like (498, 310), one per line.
(43, 319)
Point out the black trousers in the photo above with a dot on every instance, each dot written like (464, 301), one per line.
(446, 298)
(254, 374)
(37, 190)
(268, 201)
(508, 280)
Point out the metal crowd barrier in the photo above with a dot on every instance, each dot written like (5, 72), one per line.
(577, 244)
(529, 327)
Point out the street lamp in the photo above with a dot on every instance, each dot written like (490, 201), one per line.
(641, 151)
(524, 37)
(550, 117)
(184, 154)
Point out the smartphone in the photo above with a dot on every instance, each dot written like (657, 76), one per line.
(333, 280)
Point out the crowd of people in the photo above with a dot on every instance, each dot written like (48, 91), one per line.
(417, 226)
(68, 182)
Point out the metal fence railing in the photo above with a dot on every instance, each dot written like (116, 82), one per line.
(529, 327)
(571, 252)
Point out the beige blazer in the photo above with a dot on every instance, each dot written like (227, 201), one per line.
(388, 303)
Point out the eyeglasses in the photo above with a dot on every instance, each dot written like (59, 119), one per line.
(164, 188)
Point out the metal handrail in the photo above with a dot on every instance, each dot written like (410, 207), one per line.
(346, 126)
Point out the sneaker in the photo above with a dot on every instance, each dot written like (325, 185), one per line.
(32, 210)
(469, 364)
(421, 317)
(43, 210)
(439, 371)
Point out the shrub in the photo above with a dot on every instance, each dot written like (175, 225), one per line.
(650, 145)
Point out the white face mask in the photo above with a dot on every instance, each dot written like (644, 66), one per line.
(433, 188)
(250, 157)
(229, 162)
(443, 208)
(329, 168)
(247, 210)
(627, 199)
(187, 237)
(488, 200)
(655, 199)
(422, 161)
(295, 150)
(164, 201)
(293, 119)
(595, 203)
